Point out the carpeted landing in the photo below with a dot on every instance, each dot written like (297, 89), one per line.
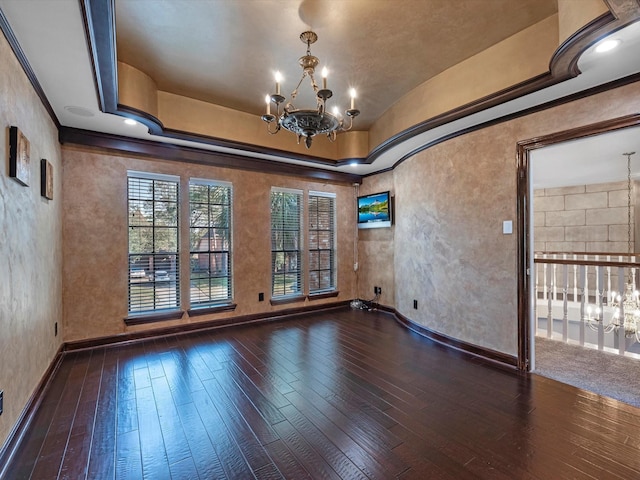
(600, 372)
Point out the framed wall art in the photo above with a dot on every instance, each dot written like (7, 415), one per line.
(19, 162)
(46, 179)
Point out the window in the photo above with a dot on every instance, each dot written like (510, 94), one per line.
(322, 263)
(210, 242)
(286, 242)
(153, 242)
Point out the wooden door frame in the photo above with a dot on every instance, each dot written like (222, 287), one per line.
(523, 154)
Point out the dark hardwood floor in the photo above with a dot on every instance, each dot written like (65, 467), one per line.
(337, 395)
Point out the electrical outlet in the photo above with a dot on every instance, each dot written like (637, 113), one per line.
(377, 290)
(55, 329)
(415, 304)
(261, 297)
(1, 401)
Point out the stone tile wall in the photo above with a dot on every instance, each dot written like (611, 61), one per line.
(583, 218)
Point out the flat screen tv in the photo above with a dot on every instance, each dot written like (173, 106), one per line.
(374, 211)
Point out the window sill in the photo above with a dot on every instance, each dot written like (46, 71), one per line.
(285, 300)
(321, 295)
(226, 307)
(142, 318)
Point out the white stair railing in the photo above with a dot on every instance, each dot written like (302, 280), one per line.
(567, 286)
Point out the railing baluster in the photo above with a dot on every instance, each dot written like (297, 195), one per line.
(582, 302)
(535, 302)
(611, 273)
(608, 274)
(565, 308)
(620, 331)
(575, 280)
(598, 279)
(550, 272)
(599, 300)
(586, 281)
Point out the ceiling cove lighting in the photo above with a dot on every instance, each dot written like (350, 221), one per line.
(130, 121)
(308, 123)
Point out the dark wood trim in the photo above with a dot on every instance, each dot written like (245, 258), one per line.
(14, 438)
(591, 254)
(523, 152)
(320, 296)
(151, 122)
(286, 300)
(522, 113)
(153, 317)
(101, 38)
(26, 67)
(482, 352)
(99, 24)
(156, 127)
(205, 325)
(594, 263)
(197, 312)
(168, 151)
(563, 66)
(522, 252)
(247, 147)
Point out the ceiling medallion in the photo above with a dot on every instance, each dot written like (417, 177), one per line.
(308, 123)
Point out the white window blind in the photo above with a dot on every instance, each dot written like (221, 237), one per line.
(153, 242)
(286, 242)
(210, 206)
(322, 252)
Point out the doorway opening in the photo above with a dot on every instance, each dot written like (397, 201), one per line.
(572, 255)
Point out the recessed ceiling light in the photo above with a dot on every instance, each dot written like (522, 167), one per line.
(130, 121)
(607, 45)
(354, 164)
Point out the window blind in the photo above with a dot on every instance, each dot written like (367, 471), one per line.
(286, 242)
(210, 240)
(153, 282)
(322, 254)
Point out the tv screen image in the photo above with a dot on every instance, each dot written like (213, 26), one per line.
(374, 211)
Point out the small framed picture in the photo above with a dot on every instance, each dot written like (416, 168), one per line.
(19, 162)
(46, 179)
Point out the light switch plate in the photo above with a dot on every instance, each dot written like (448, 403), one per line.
(507, 227)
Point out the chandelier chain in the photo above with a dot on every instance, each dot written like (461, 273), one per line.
(629, 203)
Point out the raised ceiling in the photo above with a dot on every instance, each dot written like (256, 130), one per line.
(227, 51)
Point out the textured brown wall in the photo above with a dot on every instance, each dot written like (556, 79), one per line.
(375, 249)
(30, 246)
(95, 238)
(447, 249)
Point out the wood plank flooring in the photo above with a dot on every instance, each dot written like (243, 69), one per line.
(335, 395)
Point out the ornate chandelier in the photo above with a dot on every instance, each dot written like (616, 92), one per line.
(626, 306)
(308, 123)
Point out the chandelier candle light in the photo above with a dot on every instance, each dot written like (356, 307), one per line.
(308, 123)
(626, 306)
